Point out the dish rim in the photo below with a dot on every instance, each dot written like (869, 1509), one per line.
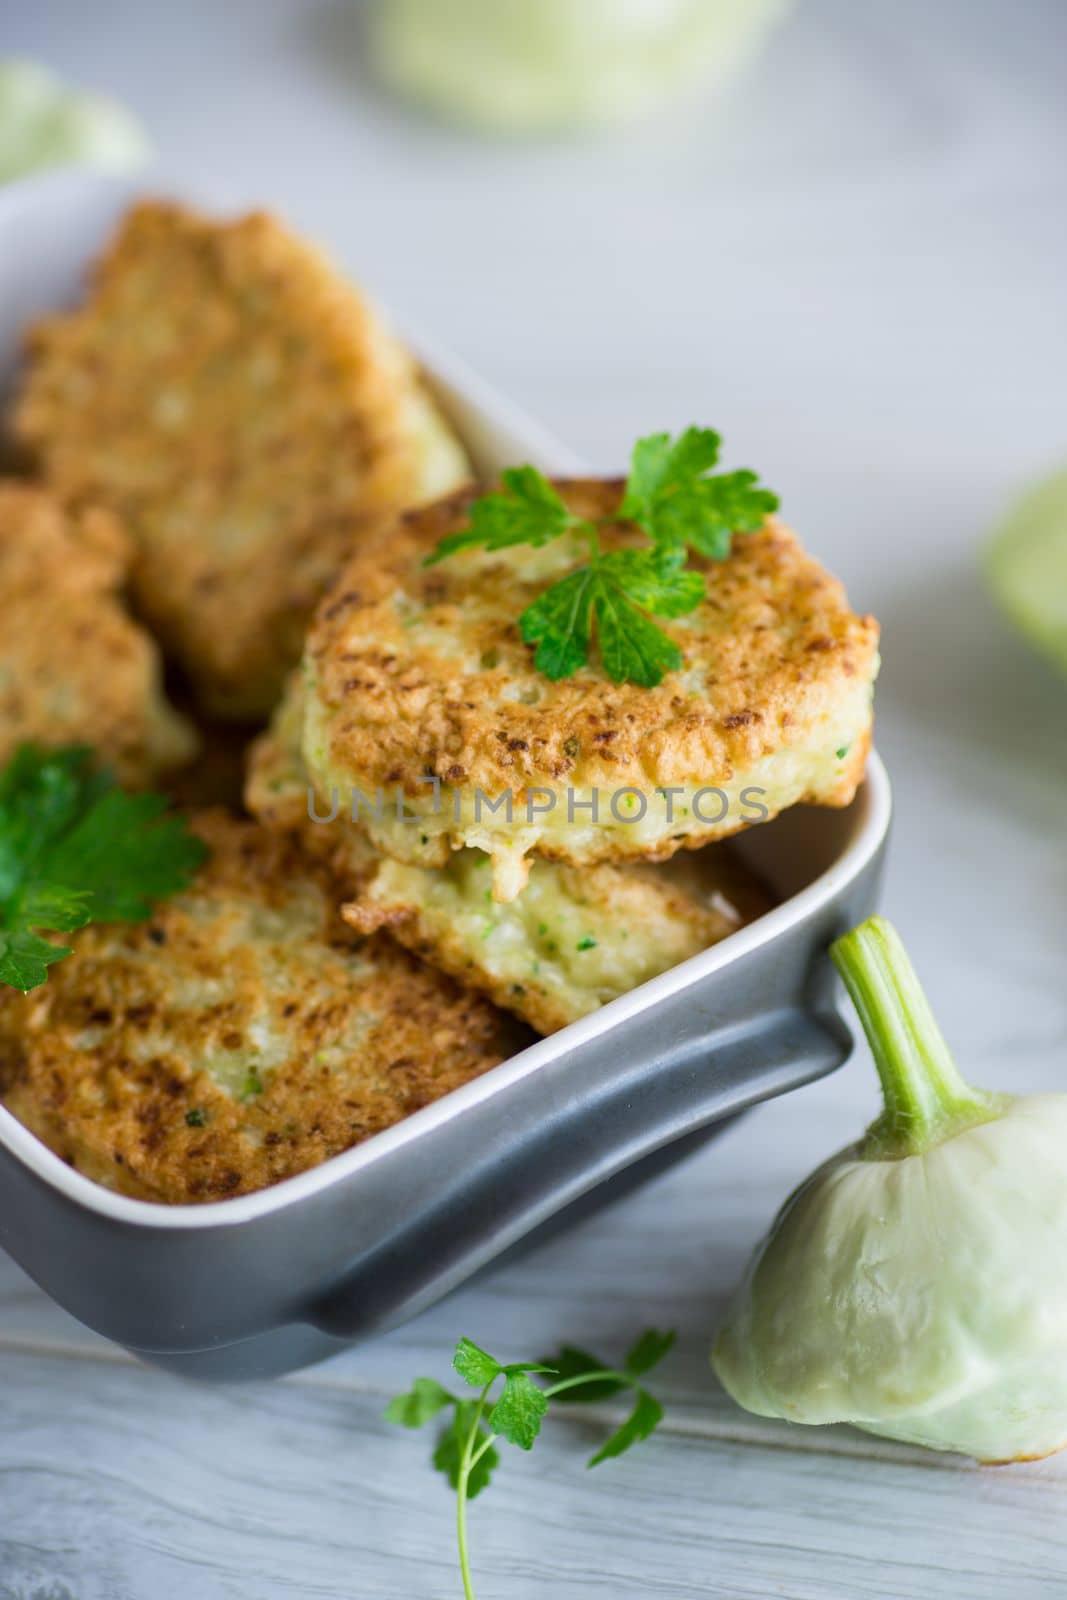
(871, 810)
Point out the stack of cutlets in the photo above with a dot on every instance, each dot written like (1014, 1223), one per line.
(239, 470)
(553, 843)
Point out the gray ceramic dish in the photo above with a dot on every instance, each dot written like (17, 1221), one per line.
(275, 1280)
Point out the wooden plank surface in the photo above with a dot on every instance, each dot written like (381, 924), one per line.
(297, 1489)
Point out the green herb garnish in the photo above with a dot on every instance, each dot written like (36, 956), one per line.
(586, 942)
(670, 496)
(252, 1085)
(511, 1406)
(74, 849)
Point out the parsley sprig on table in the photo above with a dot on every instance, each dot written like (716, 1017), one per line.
(511, 1406)
(75, 848)
(672, 496)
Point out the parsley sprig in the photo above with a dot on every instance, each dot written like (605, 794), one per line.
(511, 1406)
(673, 497)
(75, 848)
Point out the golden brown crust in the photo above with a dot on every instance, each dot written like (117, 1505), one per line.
(74, 668)
(240, 1036)
(244, 411)
(422, 670)
(574, 939)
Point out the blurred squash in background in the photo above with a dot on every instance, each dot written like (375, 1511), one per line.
(1026, 564)
(530, 66)
(43, 124)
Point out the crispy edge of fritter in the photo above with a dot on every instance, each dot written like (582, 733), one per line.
(75, 668)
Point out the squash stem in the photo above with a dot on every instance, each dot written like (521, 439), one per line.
(926, 1098)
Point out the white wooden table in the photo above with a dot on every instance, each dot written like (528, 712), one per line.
(857, 269)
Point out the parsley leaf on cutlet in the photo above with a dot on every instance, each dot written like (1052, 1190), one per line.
(632, 648)
(74, 849)
(526, 511)
(671, 496)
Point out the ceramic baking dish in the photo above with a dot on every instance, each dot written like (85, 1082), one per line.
(274, 1280)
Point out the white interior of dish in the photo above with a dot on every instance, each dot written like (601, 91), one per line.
(50, 229)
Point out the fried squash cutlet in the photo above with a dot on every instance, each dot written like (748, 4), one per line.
(575, 938)
(246, 413)
(74, 667)
(420, 686)
(241, 1035)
